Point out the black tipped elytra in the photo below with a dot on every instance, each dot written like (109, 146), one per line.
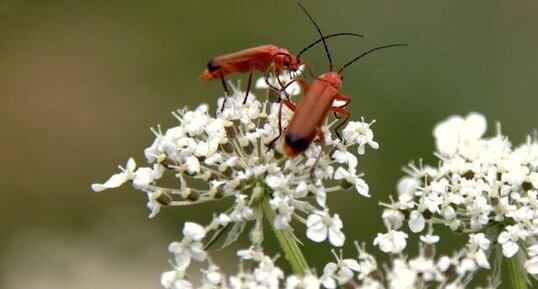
(297, 142)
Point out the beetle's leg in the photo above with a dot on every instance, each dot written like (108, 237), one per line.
(289, 105)
(304, 86)
(266, 77)
(322, 144)
(282, 86)
(248, 86)
(344, 98)
(225, 91)
(341, 110)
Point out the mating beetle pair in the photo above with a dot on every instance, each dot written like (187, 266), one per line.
(312, 111)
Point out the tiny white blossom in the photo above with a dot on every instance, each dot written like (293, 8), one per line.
(118, 179)
(320, 225)
(351, 177)
(175, 280)
(455, 131)
(339, 273)
(190, 247)
(307, 281)
(531, 265)
(391, 242)
(360, 133)
(509, 239)
(416, 222)
(393, 219)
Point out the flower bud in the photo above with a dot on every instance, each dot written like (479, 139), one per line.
(164, 198)
(193, 196)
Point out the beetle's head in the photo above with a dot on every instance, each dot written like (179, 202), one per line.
(286, 61)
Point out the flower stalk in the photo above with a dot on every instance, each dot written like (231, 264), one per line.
(516, 273)
(287, 242)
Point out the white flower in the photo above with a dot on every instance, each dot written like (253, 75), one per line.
(190, 247)
(479, 183)
(339, 273)
(307, 281)
(402, 276)
(145, 176)
(416, 222)
(350, 176)
(283, 207)
(212, 275)
(227, 157)
(320, 225)
(429, 239)
(267, 273)
(156, 199)
(118, 179)
(407, 186)
(241, 211)
(509, 238)
(345, 157)
(479, 241)
(175, 280)
(285, 79)
(531, 265)
(361, 134)
(393, 219)
(456, 133)
(392, 242)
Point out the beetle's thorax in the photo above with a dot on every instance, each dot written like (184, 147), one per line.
(332, 78)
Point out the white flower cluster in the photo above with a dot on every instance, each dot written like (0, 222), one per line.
(480, 185)
(424, 271)
(263, 272)
(231, 157)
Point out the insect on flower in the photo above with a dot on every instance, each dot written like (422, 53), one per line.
(262, 58)
(313, 109)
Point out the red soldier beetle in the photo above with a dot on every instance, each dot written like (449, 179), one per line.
(260, 58)
(313, 109)
(311, 112)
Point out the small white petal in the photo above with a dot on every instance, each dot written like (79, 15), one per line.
(352, 264)
(193, 230)
(114, 182)
(531, 266)
(362, 187)
(510, 249)
(336, 237)
(416, 222)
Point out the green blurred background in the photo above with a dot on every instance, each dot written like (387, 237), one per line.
(81, 83)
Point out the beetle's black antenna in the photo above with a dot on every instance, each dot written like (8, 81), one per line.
(368, 52)
(320, 34)
(327, 37)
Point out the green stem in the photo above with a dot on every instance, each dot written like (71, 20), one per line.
(287, 242)
(517, 275)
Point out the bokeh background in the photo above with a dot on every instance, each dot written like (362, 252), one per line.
(81, 83)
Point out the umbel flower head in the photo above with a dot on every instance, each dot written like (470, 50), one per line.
(481, 185)
(427, 270)
(227, 157)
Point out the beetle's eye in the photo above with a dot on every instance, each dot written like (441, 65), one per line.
(286, 63)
